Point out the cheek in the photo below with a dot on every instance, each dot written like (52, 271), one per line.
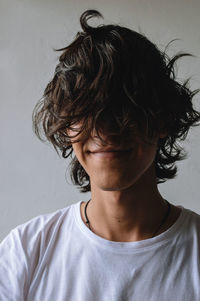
(80, 154)
(141, 160)
(77, 147)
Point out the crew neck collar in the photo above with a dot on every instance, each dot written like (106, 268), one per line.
(135, 246)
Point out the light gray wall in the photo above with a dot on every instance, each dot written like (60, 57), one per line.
(32, 176)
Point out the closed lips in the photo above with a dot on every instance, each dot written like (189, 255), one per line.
(109, 150)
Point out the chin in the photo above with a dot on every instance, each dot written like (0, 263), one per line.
(106, 185)
(114, 186)
(110, 188)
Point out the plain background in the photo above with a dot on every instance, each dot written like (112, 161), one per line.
(33, 179)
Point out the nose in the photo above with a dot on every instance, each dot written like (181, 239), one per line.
(108, 138)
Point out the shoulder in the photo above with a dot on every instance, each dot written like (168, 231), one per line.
(37, 229)
(194, 216)
(23, 250)
(191, 221)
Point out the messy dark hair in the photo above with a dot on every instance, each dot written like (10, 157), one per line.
(114, 76)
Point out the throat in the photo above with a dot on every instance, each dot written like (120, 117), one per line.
(123, 233)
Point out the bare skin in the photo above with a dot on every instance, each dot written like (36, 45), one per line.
(128, 236)
(125, 202)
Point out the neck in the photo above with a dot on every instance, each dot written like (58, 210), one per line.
(127, 215)
(128, 224)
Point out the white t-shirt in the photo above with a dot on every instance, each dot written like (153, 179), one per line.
(55, 257)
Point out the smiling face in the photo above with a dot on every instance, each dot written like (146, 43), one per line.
(117, 165)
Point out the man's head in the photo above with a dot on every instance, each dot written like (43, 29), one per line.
(114, 82)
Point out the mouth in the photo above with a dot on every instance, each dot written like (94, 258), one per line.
(110, 153)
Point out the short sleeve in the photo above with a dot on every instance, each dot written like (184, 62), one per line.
(13, 268)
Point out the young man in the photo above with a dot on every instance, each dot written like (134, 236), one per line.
(113, 102)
